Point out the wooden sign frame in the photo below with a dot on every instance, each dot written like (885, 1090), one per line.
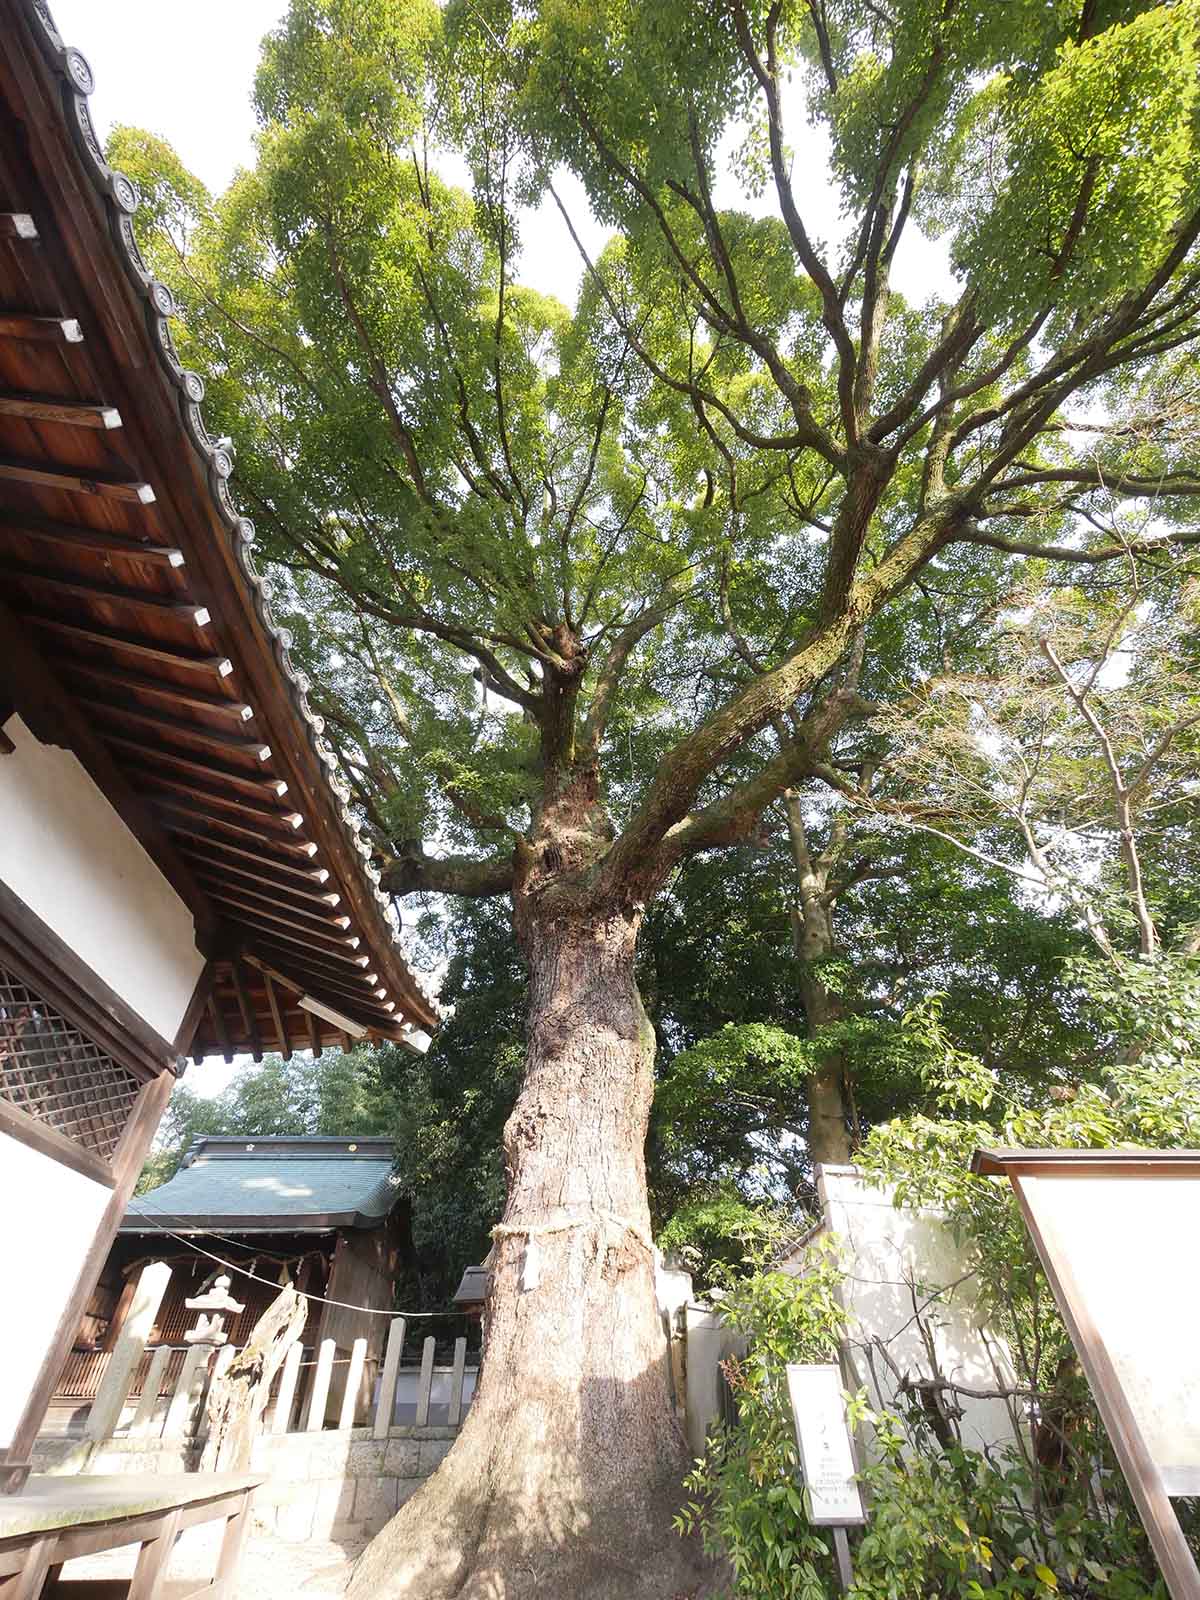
(1142, 1473)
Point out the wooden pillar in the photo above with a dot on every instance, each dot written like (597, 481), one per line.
(114, 1386)
(126, 1164)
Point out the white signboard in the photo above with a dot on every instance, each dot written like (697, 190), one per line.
(826, 1451)
(1125, 1253)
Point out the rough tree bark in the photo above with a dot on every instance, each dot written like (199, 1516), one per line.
(567, 1471)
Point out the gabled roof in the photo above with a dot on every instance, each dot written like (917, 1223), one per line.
(277, 1185)
(133, 607)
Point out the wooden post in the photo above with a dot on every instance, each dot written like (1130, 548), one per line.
(110, 1398)
(320, 1388)
(386, 1405)
(841, 1550)
(287, 1389)
(147, 1406)
(354, 1372)
(180, 1409)
(152, 1561)
(454, 1415)
(425, 1384)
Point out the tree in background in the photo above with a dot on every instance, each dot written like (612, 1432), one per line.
(503, 528)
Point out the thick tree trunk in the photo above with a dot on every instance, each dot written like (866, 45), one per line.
(567, 1471)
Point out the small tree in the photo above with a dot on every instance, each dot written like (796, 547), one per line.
(501, 527)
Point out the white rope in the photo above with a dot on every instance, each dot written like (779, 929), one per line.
(537, 1230)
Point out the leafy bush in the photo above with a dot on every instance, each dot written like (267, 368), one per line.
(1051, 1514)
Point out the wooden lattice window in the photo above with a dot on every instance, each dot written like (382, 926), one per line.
(56, 1075)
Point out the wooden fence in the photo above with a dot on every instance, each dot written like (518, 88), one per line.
(315, 1390)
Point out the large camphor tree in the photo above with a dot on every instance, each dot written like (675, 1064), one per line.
(518, 541)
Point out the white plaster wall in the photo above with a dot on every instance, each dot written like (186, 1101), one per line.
(40, 1263)
(68, 855)
(891, 1254)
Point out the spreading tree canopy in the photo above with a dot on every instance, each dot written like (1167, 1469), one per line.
(587, 589)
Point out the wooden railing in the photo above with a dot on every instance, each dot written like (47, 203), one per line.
(315, 1390)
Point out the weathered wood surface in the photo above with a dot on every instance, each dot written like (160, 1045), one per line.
(237, 1397)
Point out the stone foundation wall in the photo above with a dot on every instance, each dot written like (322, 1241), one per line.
(343, 1484)
(62, 1457)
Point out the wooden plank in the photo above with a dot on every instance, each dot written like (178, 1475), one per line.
(206, 771)
(193, 801)
(17, 225)
(386, 1405)
(218, 666)
(152, 1561)
(314, 1037)
(177, 817)
(43, 530)
(320, 1388)
(100, 593)
(354, 1372)
(56, 330)
(236, 1529)
(458, 1372)
(425, 1382)
(259, 917)
(282, 1415)
(154, 688)
(247, 1010)
(208, 737)
(105, 485)
(282, 1034)
(47, 1141)
(74, 413)
(147, 1406)
(310, 876)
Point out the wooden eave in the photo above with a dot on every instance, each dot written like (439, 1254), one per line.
(134, 622)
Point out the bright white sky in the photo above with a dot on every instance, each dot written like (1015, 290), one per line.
(185, 71)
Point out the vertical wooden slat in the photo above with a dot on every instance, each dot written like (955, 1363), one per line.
(354, 1372)
(143, 1416)
(236, 1529)
(454, 1415)
(110, 1397)
(287, 1388)
(28, 1583)
(386, 1407)
(314, 1038)
(180, 1409)
(152, 1560)
(218, 1020)
(320, 1388)
(246, 1007)
(425, 1383)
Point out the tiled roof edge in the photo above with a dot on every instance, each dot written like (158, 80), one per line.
(121, 199)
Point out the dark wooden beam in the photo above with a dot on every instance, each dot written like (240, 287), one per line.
(107, 485)
(197, 840)
(132, 599)
(265, 789)
(314, 1037)
(309, 927)
(322, 918)
(218, 1020)
(291, 890)
(17, 225)
(281, 1032)
(154, 688)
(44, 530)
(189, 732)
(57, 330)
(214, 666)
(74, 413)
(247, 1010)
(178, 816)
